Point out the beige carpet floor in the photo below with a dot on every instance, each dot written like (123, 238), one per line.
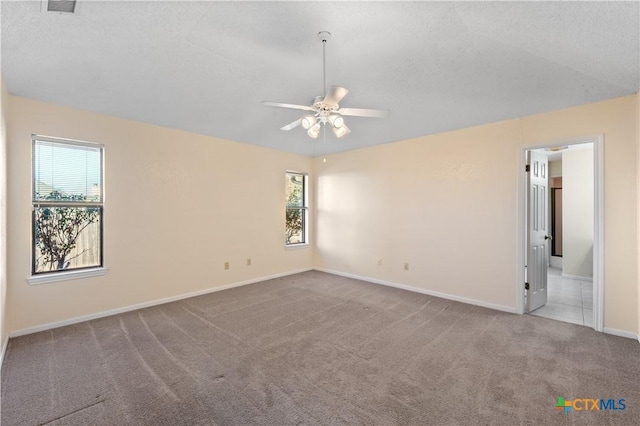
(317, 349)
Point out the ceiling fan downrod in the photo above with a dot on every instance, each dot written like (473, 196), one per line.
(324, 36)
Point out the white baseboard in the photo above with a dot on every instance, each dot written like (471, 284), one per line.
(621, 333)
(556, 261)
(502, 308)
(577, 277)
(82, 318)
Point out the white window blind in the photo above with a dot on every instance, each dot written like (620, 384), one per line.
(72, 170)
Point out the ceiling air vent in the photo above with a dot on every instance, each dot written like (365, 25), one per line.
(65, 6)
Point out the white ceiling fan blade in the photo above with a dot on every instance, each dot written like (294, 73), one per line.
(335, 95)
(281, 105)
(361, 112)
(292, 125)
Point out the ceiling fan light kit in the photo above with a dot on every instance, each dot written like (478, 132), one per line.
(326, 109)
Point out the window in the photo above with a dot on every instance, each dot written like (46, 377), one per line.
(67, 196)
(296, 209)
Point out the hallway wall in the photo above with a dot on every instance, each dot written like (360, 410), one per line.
(577, 215)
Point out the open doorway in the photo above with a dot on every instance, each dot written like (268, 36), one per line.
(561, 219)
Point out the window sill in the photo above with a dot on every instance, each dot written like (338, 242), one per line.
(296, 246)
(65, 276)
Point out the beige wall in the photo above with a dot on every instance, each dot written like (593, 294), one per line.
(444, 204)
(178, 205)
(447, 205)
(4, 98)
(577, 213)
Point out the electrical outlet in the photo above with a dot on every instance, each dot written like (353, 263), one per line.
(226, 265)
(248, 261)
(406, 266)
(379, 262)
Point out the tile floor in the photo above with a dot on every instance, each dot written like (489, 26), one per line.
(568, 300)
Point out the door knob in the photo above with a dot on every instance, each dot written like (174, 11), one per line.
(548, 237)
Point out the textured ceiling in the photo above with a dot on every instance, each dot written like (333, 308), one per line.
(206, 66)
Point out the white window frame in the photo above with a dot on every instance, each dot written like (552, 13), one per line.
(63, 275)
(304, 208)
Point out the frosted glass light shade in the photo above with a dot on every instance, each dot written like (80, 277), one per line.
(314, 131)
(338, 121)
(308, 121)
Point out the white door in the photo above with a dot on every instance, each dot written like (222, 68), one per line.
(538, 230)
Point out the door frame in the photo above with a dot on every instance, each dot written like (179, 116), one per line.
(598, 222)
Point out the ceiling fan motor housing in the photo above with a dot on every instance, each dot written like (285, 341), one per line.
(323, 109)
(324, 36)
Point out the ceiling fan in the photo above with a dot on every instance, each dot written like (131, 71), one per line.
(326, 109)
